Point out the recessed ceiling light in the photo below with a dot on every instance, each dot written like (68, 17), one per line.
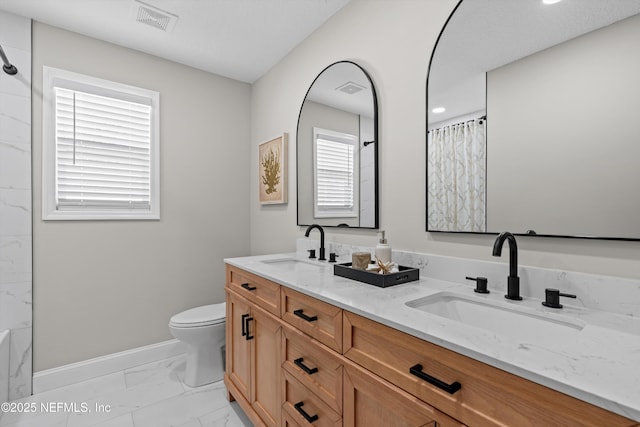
(551, 1)
(438, 110)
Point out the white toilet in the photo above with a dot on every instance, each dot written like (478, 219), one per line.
(202, 329)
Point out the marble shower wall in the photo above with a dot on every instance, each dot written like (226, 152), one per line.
(15, 201)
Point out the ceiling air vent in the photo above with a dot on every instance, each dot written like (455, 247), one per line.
(154, 17)
(350, 88)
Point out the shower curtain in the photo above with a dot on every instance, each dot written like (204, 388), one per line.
(456, 176)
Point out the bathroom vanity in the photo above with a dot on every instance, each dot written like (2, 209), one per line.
(305, 346)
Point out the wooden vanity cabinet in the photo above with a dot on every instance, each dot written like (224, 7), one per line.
(253, 340)
(487, 396)
(324, 366)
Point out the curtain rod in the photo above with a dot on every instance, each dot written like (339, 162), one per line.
(460, 123)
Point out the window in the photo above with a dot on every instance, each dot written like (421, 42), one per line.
(334, 174)
(100, 149)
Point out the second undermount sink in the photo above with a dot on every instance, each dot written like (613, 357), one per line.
(293, 264)
(507, 319)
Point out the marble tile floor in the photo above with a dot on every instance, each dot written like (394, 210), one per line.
(150, 395)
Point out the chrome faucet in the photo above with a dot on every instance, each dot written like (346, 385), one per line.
(513, 281)
(306, 234)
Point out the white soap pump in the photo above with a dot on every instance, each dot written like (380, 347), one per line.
(383, 250)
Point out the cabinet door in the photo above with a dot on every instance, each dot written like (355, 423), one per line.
(370, 401)
(238, 347)
(266, 354)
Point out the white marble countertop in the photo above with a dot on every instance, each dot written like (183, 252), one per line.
(600, 366)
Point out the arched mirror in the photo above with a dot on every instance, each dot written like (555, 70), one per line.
(533, 110)
(337, 150)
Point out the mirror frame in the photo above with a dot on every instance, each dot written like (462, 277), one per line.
(376, 139)
(584, 237)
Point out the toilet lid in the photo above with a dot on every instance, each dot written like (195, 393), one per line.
(200, 316)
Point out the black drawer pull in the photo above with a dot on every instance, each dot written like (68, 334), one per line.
(305, 368)
(249, 337)
(449, 388)
(244, 324)
(248, 287)
(299, 313)
(309, 418)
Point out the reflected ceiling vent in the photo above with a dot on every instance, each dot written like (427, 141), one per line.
(350, 88)
(152, 16)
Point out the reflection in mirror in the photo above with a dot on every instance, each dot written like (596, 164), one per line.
(337, 160)
(539, 130)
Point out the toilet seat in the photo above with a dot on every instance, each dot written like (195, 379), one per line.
(205, 315)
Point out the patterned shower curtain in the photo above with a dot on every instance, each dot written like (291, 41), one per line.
(456, 176)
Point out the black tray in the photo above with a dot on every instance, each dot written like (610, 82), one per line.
(406, 274)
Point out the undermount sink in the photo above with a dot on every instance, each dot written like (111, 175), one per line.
(507, 319)
(293, 264)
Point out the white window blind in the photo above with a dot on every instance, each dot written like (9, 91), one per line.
(100, 149)
(102, 152)
(334, 174)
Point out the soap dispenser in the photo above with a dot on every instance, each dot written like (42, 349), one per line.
(383, 250)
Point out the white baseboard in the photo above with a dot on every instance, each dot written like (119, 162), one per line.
(87, 369)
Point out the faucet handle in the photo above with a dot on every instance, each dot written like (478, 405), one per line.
(332, 257)
(481, 284)
(552, 298)
(312, 253)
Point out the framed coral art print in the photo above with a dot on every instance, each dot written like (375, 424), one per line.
(272, 170)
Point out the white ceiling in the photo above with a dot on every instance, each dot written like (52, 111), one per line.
(240, 39)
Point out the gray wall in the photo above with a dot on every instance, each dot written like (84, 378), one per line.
(396, 54)
(104, 287)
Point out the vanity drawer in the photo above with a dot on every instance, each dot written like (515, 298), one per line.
(371, 401)
(318, 319)
(288, 421)
(256, 289)
(316, 367)
(304, 407)
(487, 395)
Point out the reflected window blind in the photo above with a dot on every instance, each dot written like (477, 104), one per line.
(335, 174)
(103, 152)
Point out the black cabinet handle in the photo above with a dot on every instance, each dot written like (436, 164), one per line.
(449, 388)
(309, 418)
(244, 324)
(249, 337)
(299, 313)
(305, 368)
(248, 287)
